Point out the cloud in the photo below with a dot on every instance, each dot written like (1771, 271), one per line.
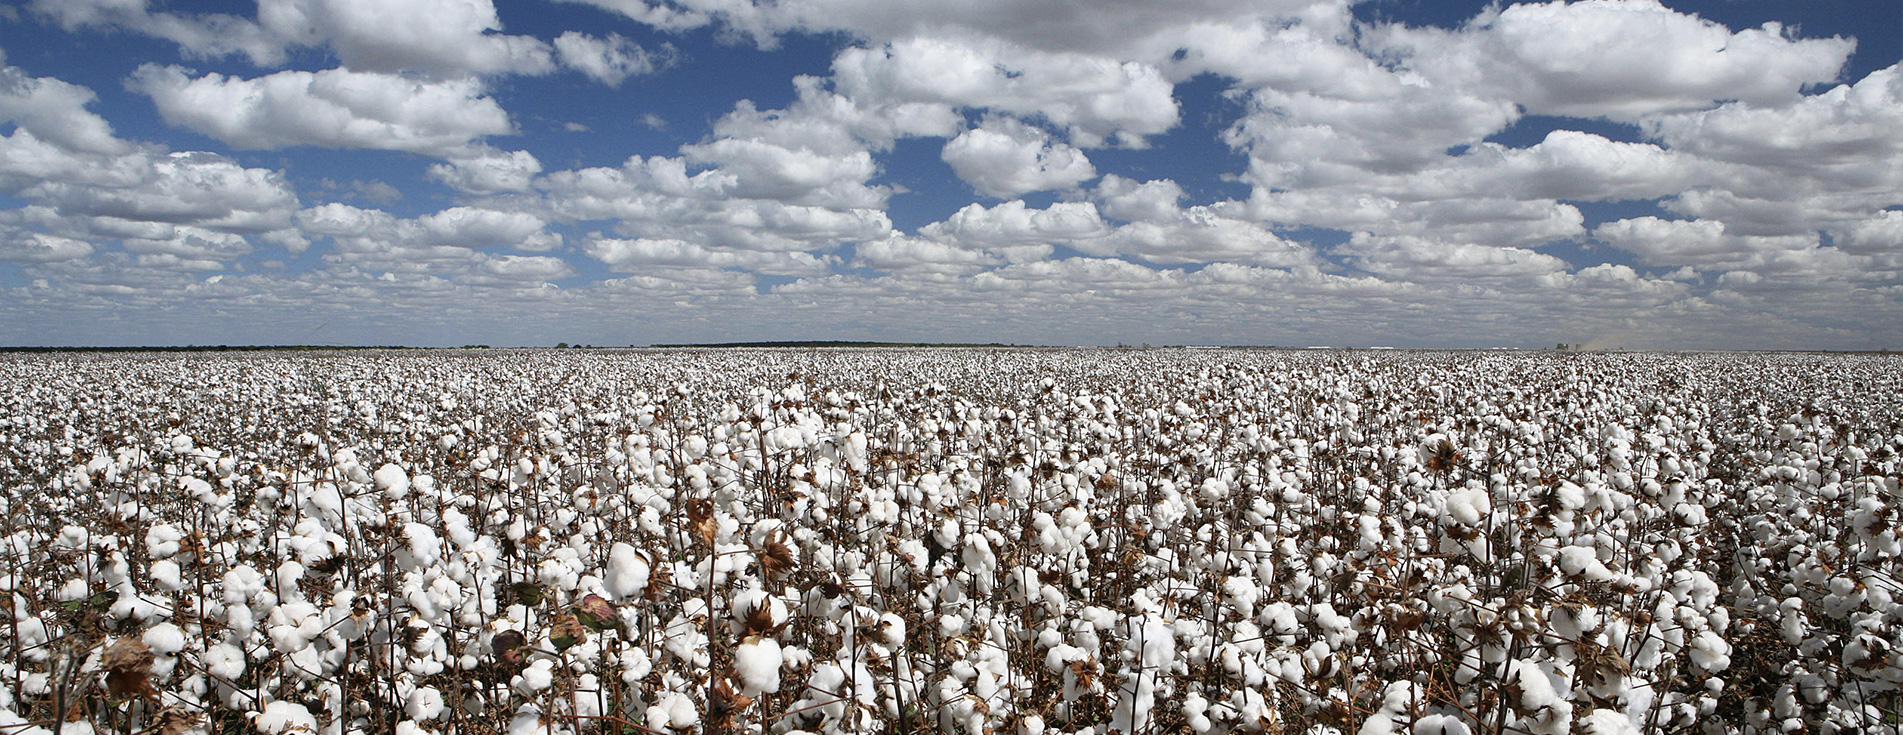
(643, 255)
(37, 247)
(1096, 100)
(607, 60)
(1014, 225)
(445, 38)
(1703, 243)
(204, 35)
(189, 248)
(1419, 260)
(335, 108)
(55, 111)
(451, 238)
(1618, 59)
(526, 268)
(1004, 158)
(486, 170)
(656, 198)
(1843, 138)
(84, 185)
(901, 254)
(1048, 23)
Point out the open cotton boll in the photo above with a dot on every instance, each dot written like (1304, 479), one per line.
(627, 572)
(1467, 507)
(1550, 715)
(1397, 701)
(392, 480)
(1710, 652)
(1602, 721)
(1583, 561)
(528, 721)
(164, 639)
(1437, 724)
(225, 661)
(284, 717)
(162, 541)
(757, 660)
(426, 703)
(165, 572)
(538, 676)
(1194, 709)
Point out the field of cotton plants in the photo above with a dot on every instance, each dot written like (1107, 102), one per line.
(951, 541)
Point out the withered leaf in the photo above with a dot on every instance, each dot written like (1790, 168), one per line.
(776, 557)
(128, 665)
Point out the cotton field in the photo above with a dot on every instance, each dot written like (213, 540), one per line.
(953, 541)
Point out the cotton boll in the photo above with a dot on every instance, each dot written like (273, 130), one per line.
(165, 639)
(225, 661)
(1194, 709)
(1602, 721)
(1583, 561)
(284, 717)
(165, 573)
(527, 721)
(426, 703)
(627, 572)
(1468, 507)
(1436, 724)
(1710, 652)
(392, 480)
(162, 541)
(757, 660)
(538, 676)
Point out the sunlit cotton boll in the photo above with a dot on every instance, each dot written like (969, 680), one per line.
(757, 660)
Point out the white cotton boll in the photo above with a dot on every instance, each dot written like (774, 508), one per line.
(681, 713)
(284, 717)
(1583, 561)
(426, 703)
(1468, 507)
(164, 639)
(1602, 721)
(527, 721)
(1710, 652)
(409, 727)
(1550, 715)
(538, 676)
(1440, 725)
(225, 661)
(757, 660)
(165, 572)
(891, 630)
(1396, 701)
(424, 546)
(1031, 725)
(392, 480)
(627, 573)
(161, 541)
(1194, 709)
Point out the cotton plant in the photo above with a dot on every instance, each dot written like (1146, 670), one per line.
(953, 541)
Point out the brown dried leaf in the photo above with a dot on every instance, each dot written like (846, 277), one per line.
(173, 720)
(128, 665)
(760, 620)
(700, 517)
(776, 557)
(724, 704)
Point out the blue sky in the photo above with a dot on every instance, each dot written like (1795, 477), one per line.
(1619, 173)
